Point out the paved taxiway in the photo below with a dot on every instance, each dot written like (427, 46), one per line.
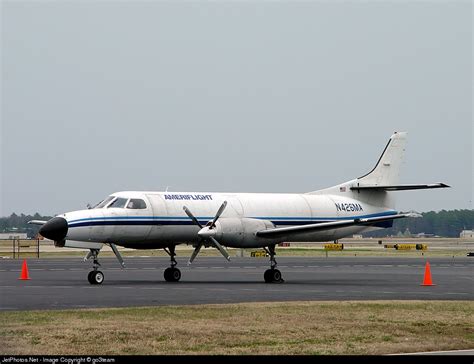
(61, 283)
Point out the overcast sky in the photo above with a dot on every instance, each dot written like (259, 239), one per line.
(246, 96)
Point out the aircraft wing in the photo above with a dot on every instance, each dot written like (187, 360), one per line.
(273, 233)
(37, 222)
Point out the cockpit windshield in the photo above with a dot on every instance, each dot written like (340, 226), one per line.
(104, 203)
(118, 203)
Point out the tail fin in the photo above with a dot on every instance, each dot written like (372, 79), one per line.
(382, 178)
(387, 170)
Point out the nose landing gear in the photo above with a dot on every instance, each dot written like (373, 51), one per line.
(172, 274)
(95, 276)
(272, 275)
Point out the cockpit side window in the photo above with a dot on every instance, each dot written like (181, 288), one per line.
(104, 203)
(136, 203)
(118, 203)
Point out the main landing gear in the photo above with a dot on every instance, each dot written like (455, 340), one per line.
(172, 274)
(272, 275)
(95, 276)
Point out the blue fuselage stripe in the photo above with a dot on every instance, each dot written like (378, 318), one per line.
(178, 221)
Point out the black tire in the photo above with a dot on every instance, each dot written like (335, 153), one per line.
(167, 274)
(97, 277)
(272, 276)
(89, 277)
(172, 274)
(267, 276)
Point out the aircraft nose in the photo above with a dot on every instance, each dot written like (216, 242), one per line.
(55, 229)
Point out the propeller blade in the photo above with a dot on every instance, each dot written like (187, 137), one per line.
(191, 216)
(221, 249)
(195, 253)
(219, 213)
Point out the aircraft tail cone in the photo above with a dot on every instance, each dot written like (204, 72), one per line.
(427, 279)
(24, 276)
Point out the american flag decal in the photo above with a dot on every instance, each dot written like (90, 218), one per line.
(342, 189)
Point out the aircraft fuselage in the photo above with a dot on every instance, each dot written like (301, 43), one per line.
(161, 220)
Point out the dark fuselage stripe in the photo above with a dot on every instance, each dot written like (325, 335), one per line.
(177, 223)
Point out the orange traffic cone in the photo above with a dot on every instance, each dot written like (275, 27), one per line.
(427, 280)
(24, 272)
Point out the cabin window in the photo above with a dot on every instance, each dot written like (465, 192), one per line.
(118, 203)
(136, 203)
(104, 203)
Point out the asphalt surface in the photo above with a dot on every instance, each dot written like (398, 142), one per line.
(61, 283)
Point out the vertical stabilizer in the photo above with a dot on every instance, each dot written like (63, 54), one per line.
(387, 170)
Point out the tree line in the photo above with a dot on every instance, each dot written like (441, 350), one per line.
(19, 224)
(442, 223)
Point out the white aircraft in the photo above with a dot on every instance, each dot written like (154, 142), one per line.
(162, 220)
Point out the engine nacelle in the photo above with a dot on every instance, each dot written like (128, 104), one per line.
(241, 233)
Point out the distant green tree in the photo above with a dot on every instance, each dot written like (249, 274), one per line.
(19, 223)
(443, 223)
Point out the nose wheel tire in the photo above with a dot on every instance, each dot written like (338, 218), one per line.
(273, 276)
(172, 274)
(95, 277)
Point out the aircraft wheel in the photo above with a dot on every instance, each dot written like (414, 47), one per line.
(95, 277)
(172, 274)
(272, 276)
(276, 276)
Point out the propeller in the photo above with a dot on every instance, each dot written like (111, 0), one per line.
(207, 232)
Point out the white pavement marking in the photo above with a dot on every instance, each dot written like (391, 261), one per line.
(456, 293)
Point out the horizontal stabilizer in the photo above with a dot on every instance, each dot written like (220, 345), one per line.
(399, 187)
(286, 231)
